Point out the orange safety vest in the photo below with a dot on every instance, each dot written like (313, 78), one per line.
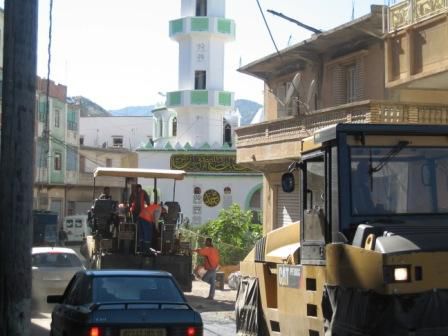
(141, 200)
(147, 212)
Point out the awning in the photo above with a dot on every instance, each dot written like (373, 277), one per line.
(140, 172)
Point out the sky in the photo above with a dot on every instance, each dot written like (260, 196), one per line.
(118, 53)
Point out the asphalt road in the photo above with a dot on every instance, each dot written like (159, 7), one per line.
(218, 315)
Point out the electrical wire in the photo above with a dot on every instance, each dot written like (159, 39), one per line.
(46, 131)
(268, 28)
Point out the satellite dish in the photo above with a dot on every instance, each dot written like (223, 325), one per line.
(294, 86)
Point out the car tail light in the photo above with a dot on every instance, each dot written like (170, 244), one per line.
(95, 331)
(191, 331)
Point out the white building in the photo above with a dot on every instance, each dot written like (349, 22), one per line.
(115, 132)
(195, 131)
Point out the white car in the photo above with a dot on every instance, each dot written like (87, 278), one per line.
(52, 269)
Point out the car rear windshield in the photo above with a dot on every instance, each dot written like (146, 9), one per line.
(55, 259)
(136, 288)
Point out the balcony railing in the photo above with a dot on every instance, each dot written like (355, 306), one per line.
(408, 12)
(206, 98)
(221, 26)
(376, 112)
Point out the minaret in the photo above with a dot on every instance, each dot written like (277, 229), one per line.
(201, 102)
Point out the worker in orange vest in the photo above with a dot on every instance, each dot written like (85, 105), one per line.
(139, 198)
(148, 219)
(211, 263)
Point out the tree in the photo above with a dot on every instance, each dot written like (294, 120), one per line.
(233, 233)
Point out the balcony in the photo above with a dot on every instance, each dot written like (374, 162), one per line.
(409, 12)
(416, 48)
(198, 98)
(199, 25)
(279, 140)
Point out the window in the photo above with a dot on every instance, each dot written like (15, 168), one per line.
(201, 7)
(135, 288)
(314, 200)
(227, 134)
(57, 161)
(81, 140)
(174, 126)
(255, 207)
(350, 83)
(386, 180)
(42, 111)
(71, 121)
(57, 118)
(55, 259)
(108, 162)
(199, 80)
(117, 141)
(72, 158)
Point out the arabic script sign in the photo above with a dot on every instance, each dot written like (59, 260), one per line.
(211, 198)
(206, 163)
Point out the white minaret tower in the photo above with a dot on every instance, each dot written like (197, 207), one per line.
(200, 102)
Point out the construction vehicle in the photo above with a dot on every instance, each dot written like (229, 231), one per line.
(113, 243)
(369, 255)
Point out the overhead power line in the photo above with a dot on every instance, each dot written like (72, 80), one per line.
(268, 28)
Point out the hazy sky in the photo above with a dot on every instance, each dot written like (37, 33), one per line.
(118, 53)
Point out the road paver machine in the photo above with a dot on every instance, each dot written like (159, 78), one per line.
(114, 239)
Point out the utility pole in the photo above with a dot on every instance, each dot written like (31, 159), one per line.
(17, 165)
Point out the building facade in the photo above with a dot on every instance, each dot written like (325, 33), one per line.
(57, 147)
(81, 196)
(116, 132)
(365, 71)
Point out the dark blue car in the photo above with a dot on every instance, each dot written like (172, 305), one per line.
(123, 303)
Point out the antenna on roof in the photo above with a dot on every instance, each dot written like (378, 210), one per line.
(314, 30)
(353, 10)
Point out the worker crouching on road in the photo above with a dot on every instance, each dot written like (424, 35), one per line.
(211, 263)
(147, 227)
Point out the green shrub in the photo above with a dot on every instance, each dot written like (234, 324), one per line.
(233, 233)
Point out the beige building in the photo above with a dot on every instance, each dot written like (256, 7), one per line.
(379, 68)
(80, 196)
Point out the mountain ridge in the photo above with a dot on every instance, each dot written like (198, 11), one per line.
(247, 108)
